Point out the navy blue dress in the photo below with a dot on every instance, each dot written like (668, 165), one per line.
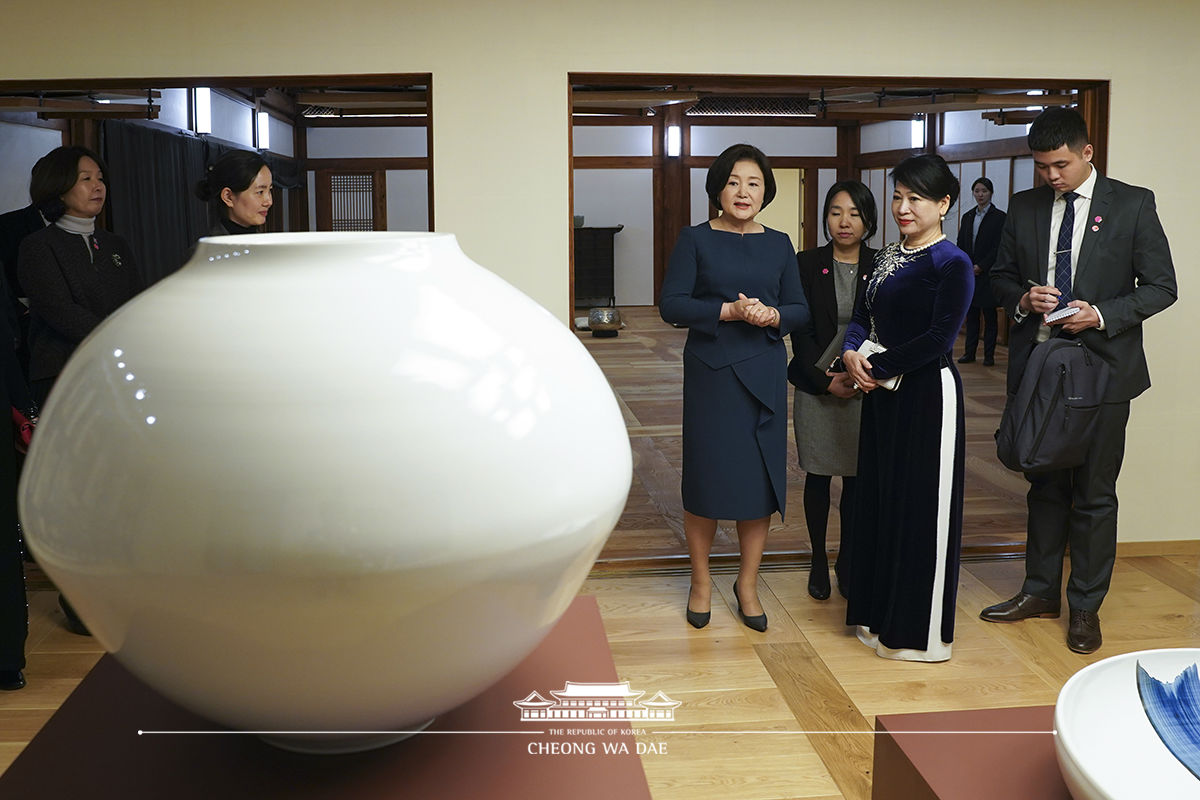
(734, 373)
(908, 520)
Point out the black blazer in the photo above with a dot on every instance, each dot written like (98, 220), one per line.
(982, 251)
(70, 293)
(15, 226)
(816, 277)
(1124, 269)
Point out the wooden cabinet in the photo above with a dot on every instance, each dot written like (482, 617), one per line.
(594, 266)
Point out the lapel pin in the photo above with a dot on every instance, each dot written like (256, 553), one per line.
(1095, 228)
(1099, 218)
(825, 271)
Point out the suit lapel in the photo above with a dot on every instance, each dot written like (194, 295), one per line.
(1042, 221)
(1099, 208)
(824, 280)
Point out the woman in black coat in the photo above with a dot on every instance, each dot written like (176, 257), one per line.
(827, 407)
(74, 273)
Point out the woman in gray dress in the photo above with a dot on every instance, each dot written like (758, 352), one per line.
(826, 409)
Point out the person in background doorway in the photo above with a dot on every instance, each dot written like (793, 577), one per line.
(827, 407)
(979, 238)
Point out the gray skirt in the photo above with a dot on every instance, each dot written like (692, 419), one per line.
(826, 429)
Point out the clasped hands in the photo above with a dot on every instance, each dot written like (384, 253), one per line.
(1044, 299)
(750, 309)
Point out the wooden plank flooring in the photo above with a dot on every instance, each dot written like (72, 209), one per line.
(787, 713)
(783, 714)
(645, 368)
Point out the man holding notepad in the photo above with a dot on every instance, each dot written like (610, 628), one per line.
(1087, 254)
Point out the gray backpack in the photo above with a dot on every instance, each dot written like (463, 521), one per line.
(1048, 423)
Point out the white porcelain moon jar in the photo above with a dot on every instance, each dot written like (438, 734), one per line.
(325, 482)
(1128, 727)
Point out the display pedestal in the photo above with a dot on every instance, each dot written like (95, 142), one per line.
(979, 766)
(91, 747)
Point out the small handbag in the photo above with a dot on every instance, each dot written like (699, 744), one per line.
(22, 430)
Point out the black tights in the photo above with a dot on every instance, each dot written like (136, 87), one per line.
(816, 516)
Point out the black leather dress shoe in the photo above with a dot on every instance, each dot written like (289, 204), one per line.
(1023, 606)
(988, 361)
(11, 680)
(1083, 634)
(757, 623)
(966, 360)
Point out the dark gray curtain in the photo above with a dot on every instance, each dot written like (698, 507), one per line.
(151, 175)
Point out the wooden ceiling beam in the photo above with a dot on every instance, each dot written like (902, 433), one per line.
(363, 99)
(632, 99)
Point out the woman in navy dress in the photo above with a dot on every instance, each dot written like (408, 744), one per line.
(733, 282)
(908, 519)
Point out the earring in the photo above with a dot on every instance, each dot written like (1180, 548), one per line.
(943, 218)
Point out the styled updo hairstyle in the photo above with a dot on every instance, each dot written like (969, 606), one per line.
(862, 199)
(235, 170)
(718, 173)
(985, 183)
(929, 176)
(53, 176)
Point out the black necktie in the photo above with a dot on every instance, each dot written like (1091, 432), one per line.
(1062, 255)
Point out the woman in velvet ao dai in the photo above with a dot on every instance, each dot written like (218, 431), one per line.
(734, 283)
(908, 519)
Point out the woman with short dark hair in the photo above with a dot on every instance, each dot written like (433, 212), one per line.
(827, 407)
(733, 283)
(979, 238)
(238, 190)
(74, 272)
(908, 513)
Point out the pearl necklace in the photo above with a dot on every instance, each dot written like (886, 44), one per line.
(909, 251)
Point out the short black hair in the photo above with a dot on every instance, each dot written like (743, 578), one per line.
(927, 175)
(862, 199)
(718, 173)
(53, 176)
(1055, 127)
(235, 170)
(987, 184)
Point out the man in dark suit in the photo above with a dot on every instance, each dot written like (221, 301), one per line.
(1096, 244)
(979, 237)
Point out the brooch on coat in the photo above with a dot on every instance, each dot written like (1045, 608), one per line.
(116, 260)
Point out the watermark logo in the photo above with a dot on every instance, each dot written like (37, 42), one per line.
(597, 702)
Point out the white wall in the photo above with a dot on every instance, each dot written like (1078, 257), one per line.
(407, 200)
(20, 147)
(611, 197)
(970, 126)
(282, 138)
(894, 134)
(710, 140)
(232, 120)
(367, 142)
(174, 108)
(613, 140)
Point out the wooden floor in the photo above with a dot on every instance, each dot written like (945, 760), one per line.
(644, 365)
(786, 713)
(746, 696)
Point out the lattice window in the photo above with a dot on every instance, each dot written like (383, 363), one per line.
(352, 202)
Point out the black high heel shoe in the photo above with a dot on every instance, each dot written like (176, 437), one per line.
(11, 680)
(697, 619)
(818, 582)
(757, 623)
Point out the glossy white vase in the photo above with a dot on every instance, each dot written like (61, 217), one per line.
(325, 482)
(1107, 746)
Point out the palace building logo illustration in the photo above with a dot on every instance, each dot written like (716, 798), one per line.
(596, 701)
